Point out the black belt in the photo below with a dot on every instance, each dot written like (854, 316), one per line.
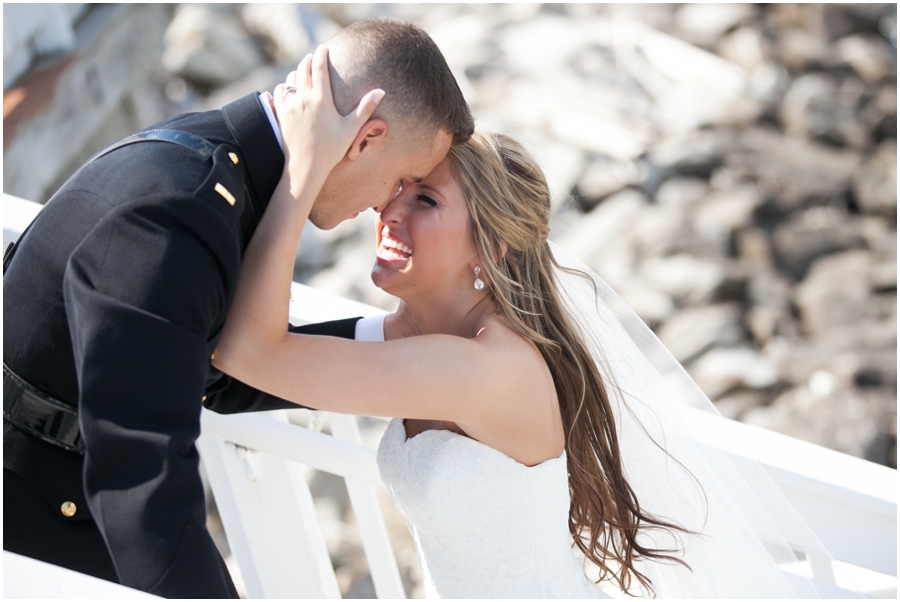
(28, 407)
(40, 414)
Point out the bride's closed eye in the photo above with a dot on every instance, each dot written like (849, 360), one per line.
(427, 199)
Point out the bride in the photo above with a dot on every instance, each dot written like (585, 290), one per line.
(527, 419)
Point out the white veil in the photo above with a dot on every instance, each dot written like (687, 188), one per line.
(746, 531)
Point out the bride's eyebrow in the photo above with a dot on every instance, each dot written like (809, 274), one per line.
(433, 190)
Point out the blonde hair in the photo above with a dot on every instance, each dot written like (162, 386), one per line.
(509, 202)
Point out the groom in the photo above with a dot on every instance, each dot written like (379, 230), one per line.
(115, 298)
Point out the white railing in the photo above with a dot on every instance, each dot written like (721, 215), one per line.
(253, 462)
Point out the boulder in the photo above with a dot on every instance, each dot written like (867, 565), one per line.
(705, 23)
(875, 183)
(722, 369)
(602, 177)
(851, 421)
(770, 312)
(868, 55)
(745, 47)
(815, 232)
(734, 404)
(693, 153)
(752, 247)
(720, 214)
(208, 46)
(290, 30)
(836, 292)
(820, 106)
(652, 306)
(689, 280)
(603, 224)
(800, 49)
(690, 332)
(681, 193)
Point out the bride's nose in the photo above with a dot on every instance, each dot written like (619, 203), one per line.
(396, 210)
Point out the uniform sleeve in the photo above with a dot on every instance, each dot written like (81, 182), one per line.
(230, 395)
(143, 292)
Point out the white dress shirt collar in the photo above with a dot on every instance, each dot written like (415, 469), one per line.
(275, 127)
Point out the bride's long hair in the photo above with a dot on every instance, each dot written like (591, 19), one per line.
(509, 202)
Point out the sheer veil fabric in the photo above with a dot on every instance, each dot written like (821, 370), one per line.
(744, 530)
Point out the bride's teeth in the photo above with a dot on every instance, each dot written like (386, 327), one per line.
(387, 242)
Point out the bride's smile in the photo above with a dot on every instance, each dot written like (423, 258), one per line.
(391, 248)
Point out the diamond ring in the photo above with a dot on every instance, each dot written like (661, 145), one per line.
(288, 88)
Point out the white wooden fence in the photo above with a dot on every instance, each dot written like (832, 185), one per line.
(253, 463)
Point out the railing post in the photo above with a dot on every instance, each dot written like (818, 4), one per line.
(270, 520)
(372, 530)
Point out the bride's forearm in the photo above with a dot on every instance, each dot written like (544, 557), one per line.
(258, 314)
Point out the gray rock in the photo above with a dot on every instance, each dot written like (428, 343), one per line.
(836, 292)
(769, 315)
(705, 23)
(659, 230)
(868, 55)
(602, 225)
(799, 49)
(690, 332)
(687, 279)
(208, 46)
(722, 369)
(814, 232)
(259, 79)
(290, 30)
(681, 193)
(745, 47)
(875, 183)
(851, 421)
(602, 177)
(696, 152)
(721, 213)
(734, 404)
(817, 105)
(753, 247)
(652, 306)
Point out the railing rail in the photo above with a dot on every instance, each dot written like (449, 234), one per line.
(253, 464)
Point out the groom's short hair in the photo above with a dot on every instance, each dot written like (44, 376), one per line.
(422, 95)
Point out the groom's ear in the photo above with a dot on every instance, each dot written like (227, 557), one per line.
(373, 133)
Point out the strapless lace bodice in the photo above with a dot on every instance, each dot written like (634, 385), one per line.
(485, 526)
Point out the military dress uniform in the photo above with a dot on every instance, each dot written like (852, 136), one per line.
(112, 307)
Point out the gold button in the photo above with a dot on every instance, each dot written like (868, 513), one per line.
(204, 398)
(68, 509)
(233, 157)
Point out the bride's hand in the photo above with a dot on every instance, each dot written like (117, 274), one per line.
(316, 137)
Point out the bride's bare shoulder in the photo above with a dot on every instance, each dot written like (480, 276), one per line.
(524, 420)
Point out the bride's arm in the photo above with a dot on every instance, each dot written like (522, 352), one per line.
(316, 137)
(439, 376)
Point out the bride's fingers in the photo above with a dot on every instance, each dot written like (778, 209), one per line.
(365, 108)
(320, 76)
(304, 73)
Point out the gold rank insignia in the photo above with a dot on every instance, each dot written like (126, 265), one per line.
(225, 194)
(233, 157)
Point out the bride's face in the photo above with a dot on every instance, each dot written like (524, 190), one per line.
(424, 244)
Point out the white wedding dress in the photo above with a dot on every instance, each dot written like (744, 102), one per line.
(485, 526)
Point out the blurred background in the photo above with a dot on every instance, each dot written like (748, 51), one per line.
(730, 169)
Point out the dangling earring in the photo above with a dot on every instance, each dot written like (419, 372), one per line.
(479, 283)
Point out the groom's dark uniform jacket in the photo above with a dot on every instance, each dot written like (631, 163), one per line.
(113, 304)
